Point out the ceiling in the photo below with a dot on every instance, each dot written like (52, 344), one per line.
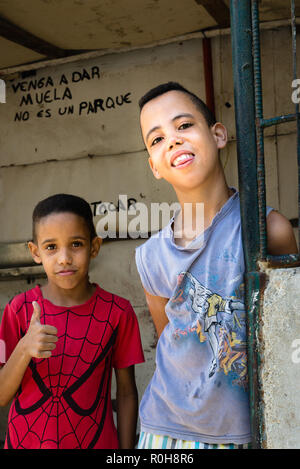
(37, 30)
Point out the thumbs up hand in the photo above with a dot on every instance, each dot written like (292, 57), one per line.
(40, 339)
(36, 315)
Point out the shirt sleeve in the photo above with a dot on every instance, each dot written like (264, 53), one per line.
(143, 272)
(128, 347)
(9, 333)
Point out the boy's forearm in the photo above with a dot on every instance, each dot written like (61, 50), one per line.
(156, 305)
(11, 374)
(127, 412)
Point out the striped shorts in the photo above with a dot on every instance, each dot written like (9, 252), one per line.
(151, 441)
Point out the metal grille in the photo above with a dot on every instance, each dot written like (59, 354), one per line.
(250, 126)
(262, 123)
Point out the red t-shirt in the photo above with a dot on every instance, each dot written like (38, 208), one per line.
(65, 401)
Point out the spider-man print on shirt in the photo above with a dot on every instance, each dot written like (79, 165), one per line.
(65, 401)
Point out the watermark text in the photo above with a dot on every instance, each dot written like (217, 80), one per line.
(138, 220)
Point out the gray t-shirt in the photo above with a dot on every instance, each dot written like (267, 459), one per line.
(199, 388)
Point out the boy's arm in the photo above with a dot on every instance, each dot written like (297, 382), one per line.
(39, 341)
(281, 239)
(127, 407)
(11, 374)
(156, 305)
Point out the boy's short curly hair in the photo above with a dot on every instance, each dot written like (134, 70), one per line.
(60, 203)
(174, 86)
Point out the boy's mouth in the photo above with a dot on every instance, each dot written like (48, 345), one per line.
(66, 272)
(182, 158)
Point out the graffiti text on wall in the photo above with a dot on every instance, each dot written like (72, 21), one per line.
(46, 90)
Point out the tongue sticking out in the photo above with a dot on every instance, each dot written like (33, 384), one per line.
(182, 159)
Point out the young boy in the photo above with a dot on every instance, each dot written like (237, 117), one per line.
(197, 397)
(62, 341)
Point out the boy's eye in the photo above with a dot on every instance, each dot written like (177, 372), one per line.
(155, 141)
(50, 247)
(185, 125)
(76, 244)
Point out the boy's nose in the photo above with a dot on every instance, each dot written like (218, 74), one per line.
(64, 257)
(173, 141)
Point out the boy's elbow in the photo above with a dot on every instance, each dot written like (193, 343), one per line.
(281, 238)
(3, 402)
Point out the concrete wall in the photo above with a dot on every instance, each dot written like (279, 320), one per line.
(78, 132)
(281, 359)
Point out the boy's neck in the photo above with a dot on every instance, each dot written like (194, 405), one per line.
(212, 200)
(68, 297)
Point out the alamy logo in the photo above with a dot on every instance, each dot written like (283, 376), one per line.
(296, 92)
(2, 91)
(296, 353)
(139, 220)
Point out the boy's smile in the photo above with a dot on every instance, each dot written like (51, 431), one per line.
(182, 148)
(181, 158)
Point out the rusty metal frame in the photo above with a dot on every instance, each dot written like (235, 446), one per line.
(250, 125)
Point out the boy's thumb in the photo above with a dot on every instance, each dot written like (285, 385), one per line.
(36, 315)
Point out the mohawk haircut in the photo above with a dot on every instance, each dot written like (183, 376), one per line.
(62, 203)
(174, 86)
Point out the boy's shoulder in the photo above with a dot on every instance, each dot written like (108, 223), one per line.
(153, 259)
(116, 308)
(21, 299)
(109, 297)
(156, 240)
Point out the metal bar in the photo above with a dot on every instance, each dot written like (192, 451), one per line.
(287, 260)
(255, 285)
(294, 47)
(241, 38)
(277, 120)
(15, 255)
(247, 77)
(208, 74)
(259, 130)
(22, 273)
(245, 126)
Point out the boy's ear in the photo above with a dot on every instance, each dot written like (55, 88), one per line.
(34, 251)
(95, 247)
(153, 169)
(219, 132)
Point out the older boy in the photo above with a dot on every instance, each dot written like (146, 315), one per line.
(198, 395)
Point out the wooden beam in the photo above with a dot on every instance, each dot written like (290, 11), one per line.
(18, 35)
(218, 10)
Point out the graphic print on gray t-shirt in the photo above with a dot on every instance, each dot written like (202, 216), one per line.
(199, 387)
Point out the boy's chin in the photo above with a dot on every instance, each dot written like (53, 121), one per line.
(188, 184)
(67, 283)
